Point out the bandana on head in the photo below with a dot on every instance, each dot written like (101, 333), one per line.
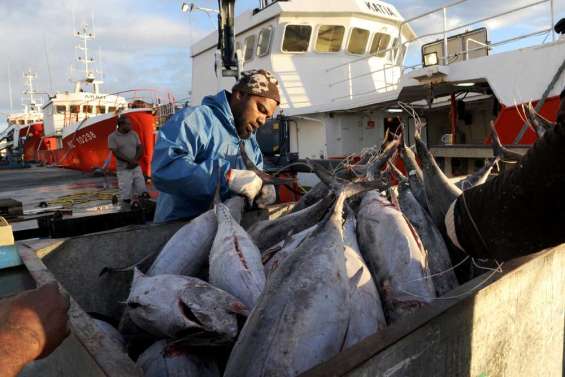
(259, 82)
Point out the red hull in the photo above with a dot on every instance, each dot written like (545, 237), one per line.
(510, 120)
(87, 148)
(33, 135)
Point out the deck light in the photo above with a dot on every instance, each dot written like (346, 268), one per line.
(465, 84)
(394, 110)
(187, 7)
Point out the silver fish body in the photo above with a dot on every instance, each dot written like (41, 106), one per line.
(172, 306)
(235, 261)
(301, 318)
(444, 278)
(267, 233)
(440, 192)
(187, 252)
(162, 361)
(287, 247)
(366, 311)
(395, 256)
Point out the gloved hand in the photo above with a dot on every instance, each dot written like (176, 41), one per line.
(267, 196)
(244, 182)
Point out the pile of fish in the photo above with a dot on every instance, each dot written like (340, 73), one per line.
(354, 255)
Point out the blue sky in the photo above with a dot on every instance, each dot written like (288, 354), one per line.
(146, 44)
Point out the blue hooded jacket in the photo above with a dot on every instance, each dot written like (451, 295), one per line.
(190, 148)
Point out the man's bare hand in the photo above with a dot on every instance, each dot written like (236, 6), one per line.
(32, 325)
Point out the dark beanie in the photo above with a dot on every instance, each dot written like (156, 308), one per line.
(259, 82)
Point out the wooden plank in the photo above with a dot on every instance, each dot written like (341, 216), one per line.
(106, 354)
(511, 327)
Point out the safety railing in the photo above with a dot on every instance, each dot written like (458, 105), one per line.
(444, 33)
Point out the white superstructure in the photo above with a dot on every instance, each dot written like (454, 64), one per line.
(341, 66)
(67, 109)
(31, 114)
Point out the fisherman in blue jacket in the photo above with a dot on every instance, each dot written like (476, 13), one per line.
(198, 141)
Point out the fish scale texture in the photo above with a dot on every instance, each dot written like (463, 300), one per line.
(301, 319)
(395, 257)
(235, 261)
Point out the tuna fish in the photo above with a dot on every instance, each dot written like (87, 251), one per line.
(440, 192)
(366, 311)
(187, 252)
(273, 260)
(302, 317)
(477, 178)
(444, 278)
(235, 261)
(395, 256)
(174, 306)
(414, 174)
(499, 150)
(268, 233)
(539, 123)
(314, 195)
(111, 332)
(161, 360)
(265, 177)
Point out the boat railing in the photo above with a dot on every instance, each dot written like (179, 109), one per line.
(471, 45)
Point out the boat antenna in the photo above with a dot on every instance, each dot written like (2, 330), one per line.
(48, 65)
(10, 87)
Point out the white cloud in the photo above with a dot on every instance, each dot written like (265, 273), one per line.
(142, 44)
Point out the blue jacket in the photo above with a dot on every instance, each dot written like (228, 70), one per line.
(190, 148)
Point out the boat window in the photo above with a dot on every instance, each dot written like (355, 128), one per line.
(12, 122)
(21, 121)
(264, 43)
(329, 38)
(397, 55)
(296, 38)
(249, 48)
(358, 41)
(100, 109)
(75, 109)
(111, 109)
(87, 109)
(30, 121)
(380, 44)
(61, 109)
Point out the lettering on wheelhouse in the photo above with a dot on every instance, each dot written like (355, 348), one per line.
(379, 8)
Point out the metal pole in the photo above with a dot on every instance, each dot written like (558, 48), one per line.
(10, 87)
(453, 119)
(552, 10)
(445, 36)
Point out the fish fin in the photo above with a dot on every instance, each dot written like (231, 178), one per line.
(217, 197)
(355, 279)
(269, 253)
(499, 150)
(127, 268)
(397, 173)
(137, 275)
(237, 307)
(327, 177)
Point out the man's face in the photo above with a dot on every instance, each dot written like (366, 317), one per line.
(251, 112)
(125, 126)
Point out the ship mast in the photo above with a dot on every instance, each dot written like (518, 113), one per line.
(32, 105)
(89, 76)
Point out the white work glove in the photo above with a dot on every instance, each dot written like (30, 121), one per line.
(244, 182)
(266, 197)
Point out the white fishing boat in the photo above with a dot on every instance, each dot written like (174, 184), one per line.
(343, 69)
(25, 129)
